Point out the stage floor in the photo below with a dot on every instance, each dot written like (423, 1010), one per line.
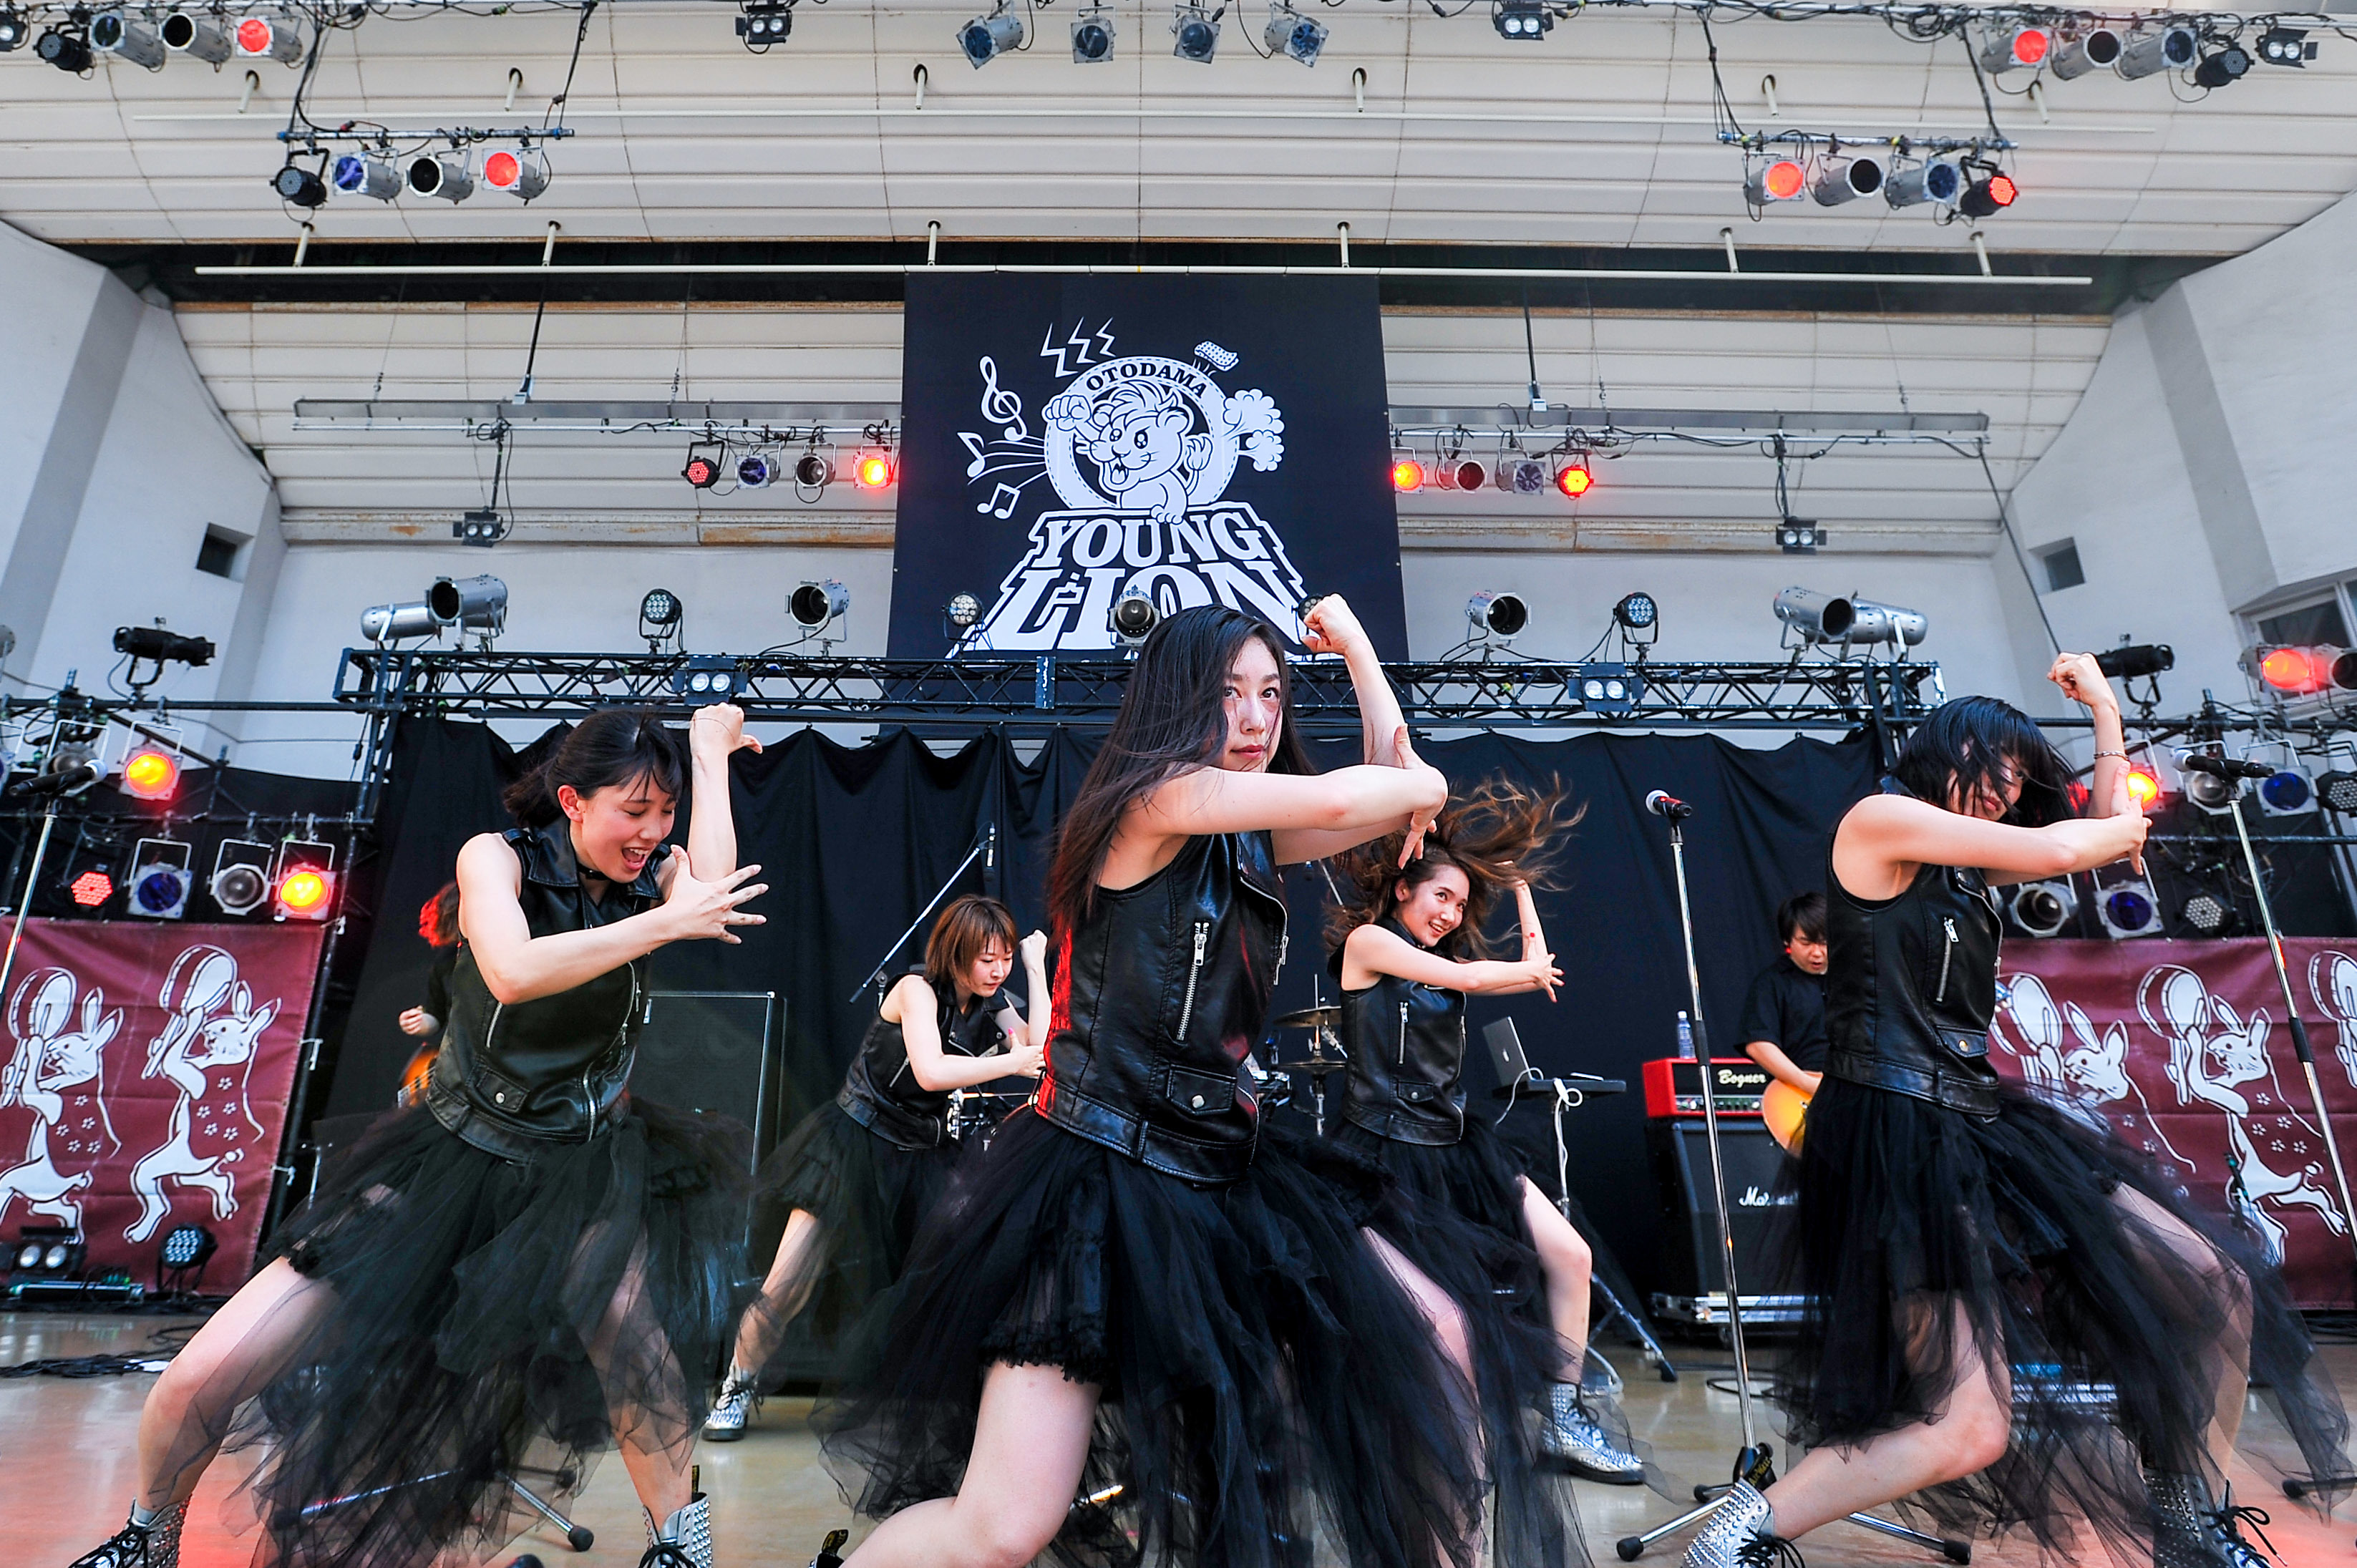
(66, 1470)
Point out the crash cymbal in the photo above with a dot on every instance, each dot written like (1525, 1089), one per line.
(1325, 1018)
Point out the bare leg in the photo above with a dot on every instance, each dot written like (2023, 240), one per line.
(2216, 1277)
(1442, 1312)
(1565, 1259)
(1968, 1435)
(633, 1356)
(251, 1339)
(785, 1292)
(1030, 1444)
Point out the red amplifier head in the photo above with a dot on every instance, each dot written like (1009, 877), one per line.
(1674, 1085)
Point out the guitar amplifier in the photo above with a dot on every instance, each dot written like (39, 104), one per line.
(1690, 1262)
(1673, 1087)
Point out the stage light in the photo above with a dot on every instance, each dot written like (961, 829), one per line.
(1134, 616)
(151, 773)
(2210, 792)
(1195, 32)
(2148, 54)
(764, 23)
(185, 1247)
(2091, 51)
(303, 881)
(1521, 21)
(196, 35)
(2133, 659)
(661, 616)
(1607, 689)
(1795, 537)
(963, 611)
(482, 527)
(1521, 476)
(984, 39)
(2287, 792)
(1781, 181)
(755, 470)
(2337, 791)
(119, 35)
(873, 471)
(2286, 46)
(1988, 194)
(708, 677)
(2222, 68)
(2129, 910)
(1845, 180)
(815, 604)
(161, 879)
(274, 37)
(2144, 788)
(1093, 37)
(478, 604)
(1407, 474)
(1817, 617)
(159, 646)
(813, 470)
(240, 878)
(702, 468)
(2294, 671)
(443, 176)
(1293, 35)
(298, 185)
(366, 174)
(91, 888)
(1572, 477)
(1495, 613)
(1938, 183)
(2043, 908)
(2206, 913)
(522, 173)
(2022, 47)
(68, 51)
(50, 1251)
(1638, 612)
(2341, 669)
(13, 30)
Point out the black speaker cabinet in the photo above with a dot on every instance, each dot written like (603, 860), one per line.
(1690, 1261)
(715, 1051)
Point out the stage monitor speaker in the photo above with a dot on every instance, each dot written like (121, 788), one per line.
(713, 1051)
(1690, 1261)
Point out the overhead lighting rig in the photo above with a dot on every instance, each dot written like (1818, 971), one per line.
(765, 23)
(385, 162)
(1940, 173)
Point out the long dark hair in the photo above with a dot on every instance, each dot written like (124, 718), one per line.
(1497, 835)
(1961, 749)
(615, 746)
(1173, 717)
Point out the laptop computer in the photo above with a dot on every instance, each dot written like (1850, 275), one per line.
(1506, 1053)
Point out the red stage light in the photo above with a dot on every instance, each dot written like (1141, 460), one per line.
(2143, 787)
(2001, 190)
(303, 893)
(91, 888)
(253, 36)
(873, 470)
(150, 774)
(501, 170)
(1574, 479)
(1783, 180)
(701, 472)
(1407, 474)
(2288, 669)
(2031, 44)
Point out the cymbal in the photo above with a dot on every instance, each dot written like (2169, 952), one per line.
(1316, 1067)
(1325, 1018)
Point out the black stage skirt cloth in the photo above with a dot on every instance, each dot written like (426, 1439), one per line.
(1267, 1381)
(2039, 1228)
(465, 1318)
(869, 1197)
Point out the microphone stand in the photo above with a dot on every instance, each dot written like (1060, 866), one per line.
(1755, 1463)
(985, 845)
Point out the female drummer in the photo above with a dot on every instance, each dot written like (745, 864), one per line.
(1975, 1258)
(1134, 1295)
(531, 1262)
(1413, 945)
(863, 1170)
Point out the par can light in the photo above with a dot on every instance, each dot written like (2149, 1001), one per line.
(1093, 37)
(1134, 616)
(2222, 68)
(2150, 54)
(1407, 474)
(1496, 613)
(984, 39)
(196, 35)
(68, 52)
(1938, 183)
(2093, 49)
(362, 174)
(2020, 47)
(813, 605)
(814, 470)
(873, 471)
(1573, 477)
(1521, 476)
(1293, 35)
(2043, 908)
(1195, 32)
(522, 173)
(269, 38)
(442, 175)
(1637, 612)
(151, 773)
(1782, 180)
(1988, 194)
(963, 611)
(1845, 180)
(117, 34)
(755, 470)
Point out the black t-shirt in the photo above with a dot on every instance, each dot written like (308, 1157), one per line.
(1787, 1009)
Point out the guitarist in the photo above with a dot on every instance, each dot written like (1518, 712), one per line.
(1783, 1023)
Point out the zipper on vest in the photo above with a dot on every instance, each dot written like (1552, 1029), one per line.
(1194, 972)
(1947, 953)
(1403, 1052)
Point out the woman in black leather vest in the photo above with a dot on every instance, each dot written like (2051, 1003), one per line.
(496, 1282)
(1141, 1325)
(861, 1173)
(1414, 943)
(1977, 1259)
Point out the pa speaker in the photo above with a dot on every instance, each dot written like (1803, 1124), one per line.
(1691, 1262)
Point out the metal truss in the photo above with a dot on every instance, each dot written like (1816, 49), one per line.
(1494, 693)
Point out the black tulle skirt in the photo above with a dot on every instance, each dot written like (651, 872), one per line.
(2045, 1231)
(481, 1319)
(869, 1196)
(1265, 1380)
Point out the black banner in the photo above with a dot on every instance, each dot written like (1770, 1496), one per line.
(1070, 439)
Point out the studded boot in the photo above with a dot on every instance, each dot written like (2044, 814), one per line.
(1574, 1438)
(682, 1541)
(1739, 1534)
(2193, 1530)
(738, 1395)
(155, 1544)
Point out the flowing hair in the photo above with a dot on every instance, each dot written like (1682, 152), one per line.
(1173, 719)
(1497, 835)
(616, 746)
(1963, 748)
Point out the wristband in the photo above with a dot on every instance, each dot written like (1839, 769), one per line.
(2121, 754)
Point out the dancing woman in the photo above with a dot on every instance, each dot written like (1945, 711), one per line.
(862, 1171)
(533, 1260)
(1413, 945)
(1133, 1294)
(1974, 1255)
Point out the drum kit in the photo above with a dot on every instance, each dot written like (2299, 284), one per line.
(974, 1114)
(1325, 1058)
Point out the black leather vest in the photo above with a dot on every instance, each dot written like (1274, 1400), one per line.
(1912, 985)
(1406, 1046)
(882, 1095)
(510, 1079)
(1159, 994)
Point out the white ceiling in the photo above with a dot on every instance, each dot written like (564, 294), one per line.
(1600, 136)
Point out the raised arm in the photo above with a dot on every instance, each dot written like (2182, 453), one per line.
(1372, 951)
(1333, 628)
(1033, 1031)
(1526, 911)
(520, 967)
(713, 735)
(2084, 683)
(1311, 815)
(910, 1004)
(1885, 838)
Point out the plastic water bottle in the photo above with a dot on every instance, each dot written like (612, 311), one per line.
(1685, 1038)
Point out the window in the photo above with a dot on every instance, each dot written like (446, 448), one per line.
(217, 555)
(2306, 626)
(2062, 564)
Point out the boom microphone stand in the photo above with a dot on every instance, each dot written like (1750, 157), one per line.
(984, 847)
(1756, 1461)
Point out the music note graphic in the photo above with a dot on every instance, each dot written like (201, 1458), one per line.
(1001, 502)
(974, 449)
(1001, 406)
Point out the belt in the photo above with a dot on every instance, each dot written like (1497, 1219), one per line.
(498, 1135)
(1969, 1093)
(892, 1124)
(1190, 1159)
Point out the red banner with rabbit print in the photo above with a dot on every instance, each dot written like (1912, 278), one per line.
(2184, 1048)
(148, 1065)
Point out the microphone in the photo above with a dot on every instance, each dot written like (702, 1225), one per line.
(81, 776)
(2136, 659)
(1662, 804)
(2222, 766)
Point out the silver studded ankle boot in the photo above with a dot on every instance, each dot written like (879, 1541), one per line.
(1573, 1438)
(738, 1397)
(155, 1544)
(682, 1541)
(1739, 1534)
(2193, 1530)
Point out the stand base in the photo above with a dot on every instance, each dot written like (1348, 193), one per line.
(1756, 1466)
